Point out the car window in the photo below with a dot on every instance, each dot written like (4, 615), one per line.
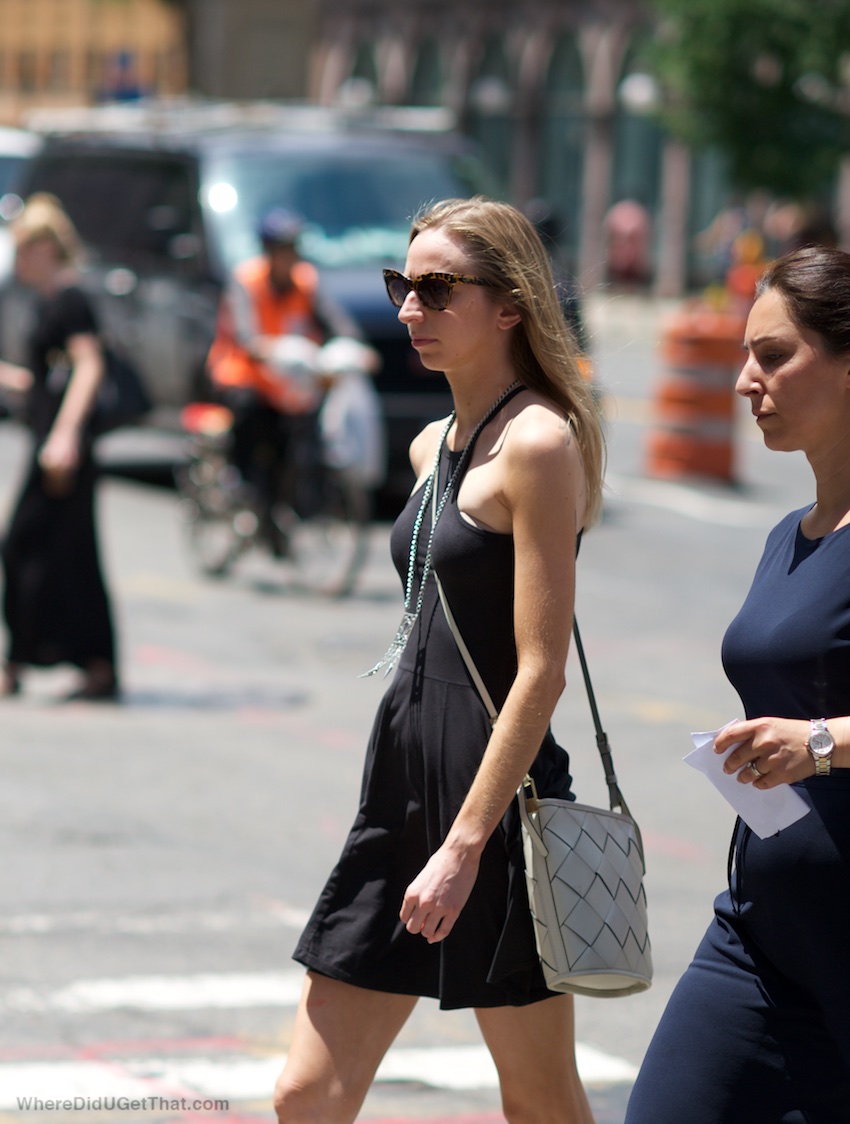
(139, 211)
(11, 168)
(357, 206)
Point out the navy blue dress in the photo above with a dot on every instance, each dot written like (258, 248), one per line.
(427, 742)
(758, 1029)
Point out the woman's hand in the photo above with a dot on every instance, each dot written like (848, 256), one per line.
(59, 458)
(17, 380)
(434, 899)
(775, 746)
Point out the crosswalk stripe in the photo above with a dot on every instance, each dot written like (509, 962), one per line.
(224, 1072)
(162, 993)
(273, 914)
(245, 1078)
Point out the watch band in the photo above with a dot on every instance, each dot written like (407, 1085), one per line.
(820, 745)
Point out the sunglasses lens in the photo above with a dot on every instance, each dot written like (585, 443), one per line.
(397, 289)
(434, 293)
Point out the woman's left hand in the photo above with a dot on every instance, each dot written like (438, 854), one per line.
(775, 747)
(434, 899)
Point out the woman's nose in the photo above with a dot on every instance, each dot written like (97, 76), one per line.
(410, 308)
(745, 383)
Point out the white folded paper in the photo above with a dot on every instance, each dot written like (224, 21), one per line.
(764, 810)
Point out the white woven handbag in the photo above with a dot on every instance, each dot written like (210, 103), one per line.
(584, 871)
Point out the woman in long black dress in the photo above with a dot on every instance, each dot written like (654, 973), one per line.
(428, 897)
(55, 601)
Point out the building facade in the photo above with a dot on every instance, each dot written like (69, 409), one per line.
(250, 48)
(71, 52)
(555, 92)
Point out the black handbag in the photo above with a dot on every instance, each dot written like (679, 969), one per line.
(122, 398)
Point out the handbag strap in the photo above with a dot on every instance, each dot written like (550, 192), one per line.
(467, 657)
(615, 796)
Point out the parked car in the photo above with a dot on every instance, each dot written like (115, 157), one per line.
(168, 202)
(17, 147)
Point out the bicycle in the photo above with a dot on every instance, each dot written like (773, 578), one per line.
(317, 519)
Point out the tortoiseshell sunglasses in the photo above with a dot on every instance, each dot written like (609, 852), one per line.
(434, 290)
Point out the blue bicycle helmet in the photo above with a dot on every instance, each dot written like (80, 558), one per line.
(280, 227)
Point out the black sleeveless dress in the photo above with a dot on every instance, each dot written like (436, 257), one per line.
(429, 736)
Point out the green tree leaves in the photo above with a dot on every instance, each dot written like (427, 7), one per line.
(767, 81)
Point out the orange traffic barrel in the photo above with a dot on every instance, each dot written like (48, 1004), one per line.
(694, 408)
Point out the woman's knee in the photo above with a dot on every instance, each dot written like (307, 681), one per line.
(533, 1048)
(532, 1108)
(341, 1034)
(312, 1102)
(559, 1100)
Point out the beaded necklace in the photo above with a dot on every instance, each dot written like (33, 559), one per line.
(410, 615)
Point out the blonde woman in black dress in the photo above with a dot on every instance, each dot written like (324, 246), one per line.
(55, 602)
(428, 897)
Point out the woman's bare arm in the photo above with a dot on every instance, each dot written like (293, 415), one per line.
(60, 453)
(542, 480)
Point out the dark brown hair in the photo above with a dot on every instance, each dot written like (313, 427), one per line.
(814, 282)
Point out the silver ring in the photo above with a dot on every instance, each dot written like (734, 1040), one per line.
(754, 769)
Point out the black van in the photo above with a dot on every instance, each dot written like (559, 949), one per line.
(168, 202)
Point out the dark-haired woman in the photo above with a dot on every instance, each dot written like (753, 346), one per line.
(428, 897)
(757, 1030)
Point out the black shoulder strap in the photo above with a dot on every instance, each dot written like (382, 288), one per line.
(615, 797)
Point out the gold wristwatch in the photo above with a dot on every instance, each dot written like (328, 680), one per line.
(820, 745)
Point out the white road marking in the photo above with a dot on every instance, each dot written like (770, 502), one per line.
(274, 915)
(244, 1078)
(61, 1081)
(225, 1075)
(162, 993)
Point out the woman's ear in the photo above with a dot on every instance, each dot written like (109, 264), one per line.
(508, 317)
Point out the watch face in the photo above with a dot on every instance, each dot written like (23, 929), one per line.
(821, 743)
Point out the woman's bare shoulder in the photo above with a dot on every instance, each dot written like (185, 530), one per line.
(542, 461)
(538, 430)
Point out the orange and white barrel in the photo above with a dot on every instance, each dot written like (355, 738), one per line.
(694, 409)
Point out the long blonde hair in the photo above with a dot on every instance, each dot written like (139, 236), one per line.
(506, 251)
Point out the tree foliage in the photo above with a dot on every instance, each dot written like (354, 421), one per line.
(766, 81)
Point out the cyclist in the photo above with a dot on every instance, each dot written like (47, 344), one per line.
(271, 318)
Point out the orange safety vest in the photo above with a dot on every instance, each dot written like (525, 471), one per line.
(275, 314)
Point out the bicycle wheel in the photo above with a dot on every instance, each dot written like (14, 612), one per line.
(327, 546)
(217, 530)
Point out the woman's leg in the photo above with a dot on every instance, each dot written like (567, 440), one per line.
(341, 1035)
(534, 1051)
(100, 683)
(720, 1054)
(10, 680)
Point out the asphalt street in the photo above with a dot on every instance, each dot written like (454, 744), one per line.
(160, 856)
